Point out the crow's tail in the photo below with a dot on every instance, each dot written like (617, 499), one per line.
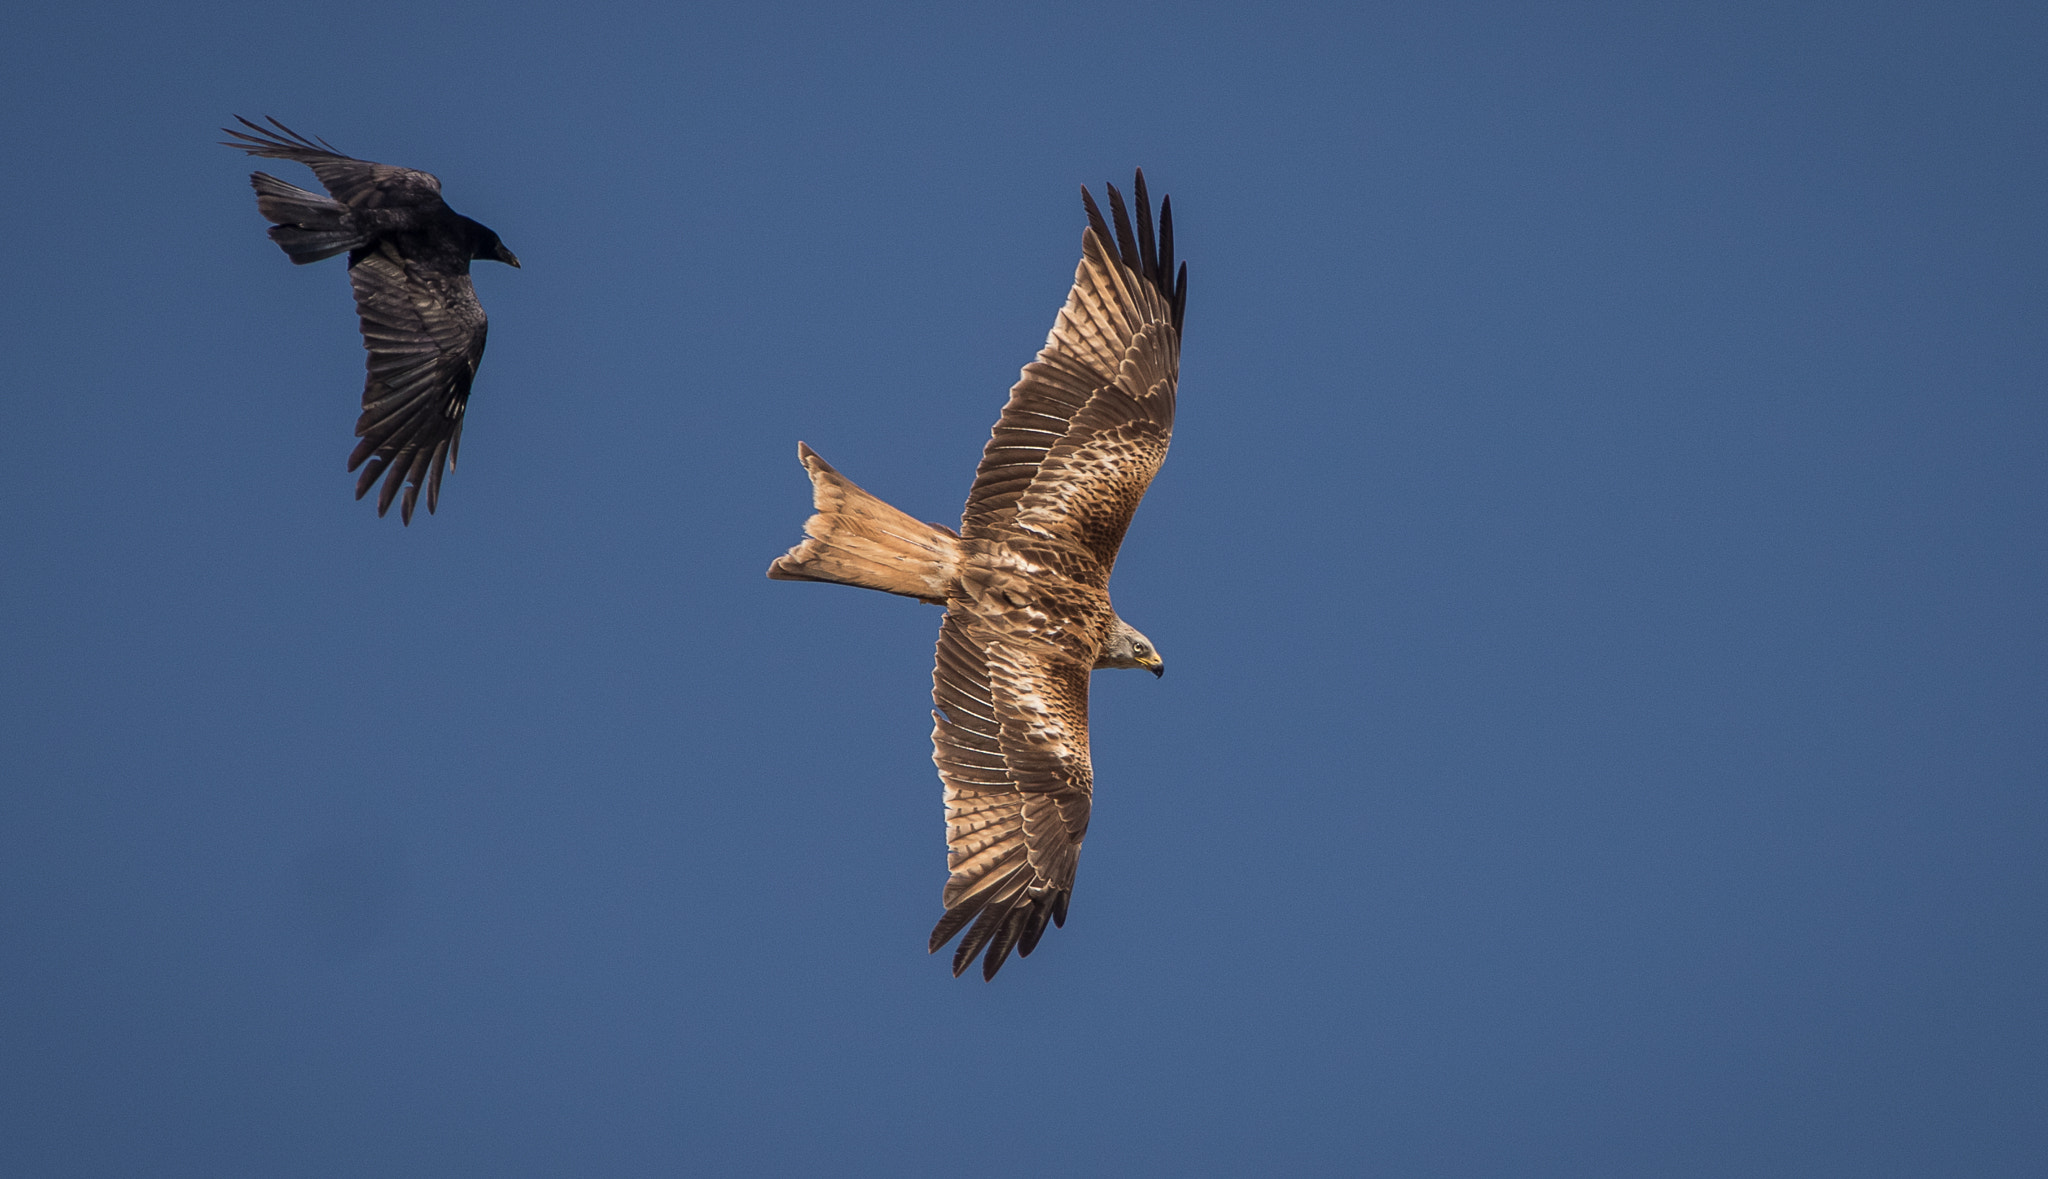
(308, 226)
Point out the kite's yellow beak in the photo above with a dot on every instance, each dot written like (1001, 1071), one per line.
(1155, 665)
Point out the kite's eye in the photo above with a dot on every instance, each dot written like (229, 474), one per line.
(1140, 649)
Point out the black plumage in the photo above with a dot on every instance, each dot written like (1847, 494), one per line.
(408, 260)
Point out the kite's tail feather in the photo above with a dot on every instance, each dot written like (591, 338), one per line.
(856, 539)
(309, 226)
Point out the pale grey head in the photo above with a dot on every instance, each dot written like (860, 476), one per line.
(1127, 648)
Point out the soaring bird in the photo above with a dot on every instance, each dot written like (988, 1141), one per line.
(1025, 582)
(408, 259)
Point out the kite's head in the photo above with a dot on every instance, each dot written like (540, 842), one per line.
(1127, 648)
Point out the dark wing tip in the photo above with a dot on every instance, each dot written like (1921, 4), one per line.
(999, 927)
(1148, 254)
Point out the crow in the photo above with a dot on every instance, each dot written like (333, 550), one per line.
(408, 260)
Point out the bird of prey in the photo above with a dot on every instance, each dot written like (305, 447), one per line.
(1025, 582)
(408, 259)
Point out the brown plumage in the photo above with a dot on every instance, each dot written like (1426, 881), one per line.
(1025, 581)
(408, 260)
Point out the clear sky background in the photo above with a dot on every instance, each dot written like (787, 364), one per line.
(1601, 567)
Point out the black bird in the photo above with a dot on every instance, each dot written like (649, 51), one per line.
(408, 259)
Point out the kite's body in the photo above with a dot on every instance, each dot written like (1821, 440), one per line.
(1025, 581)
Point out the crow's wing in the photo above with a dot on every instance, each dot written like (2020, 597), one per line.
(359, 184)
(424, 330)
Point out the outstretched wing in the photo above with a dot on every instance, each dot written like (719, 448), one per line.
(1011, 744)
(424, 330)
(1087, 424)
(357, 183)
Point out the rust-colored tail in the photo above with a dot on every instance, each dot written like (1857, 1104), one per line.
(856, 539)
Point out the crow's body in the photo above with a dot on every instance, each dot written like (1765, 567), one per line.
(408, 260)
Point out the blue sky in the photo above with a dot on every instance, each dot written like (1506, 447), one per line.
(1600, 562)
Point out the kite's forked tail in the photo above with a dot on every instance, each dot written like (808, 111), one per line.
(856, 539)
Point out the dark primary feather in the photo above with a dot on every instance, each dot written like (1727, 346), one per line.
(1151, 261)
(422, 325)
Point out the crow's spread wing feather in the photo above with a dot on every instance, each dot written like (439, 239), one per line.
(424, 331)
(359, 184)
